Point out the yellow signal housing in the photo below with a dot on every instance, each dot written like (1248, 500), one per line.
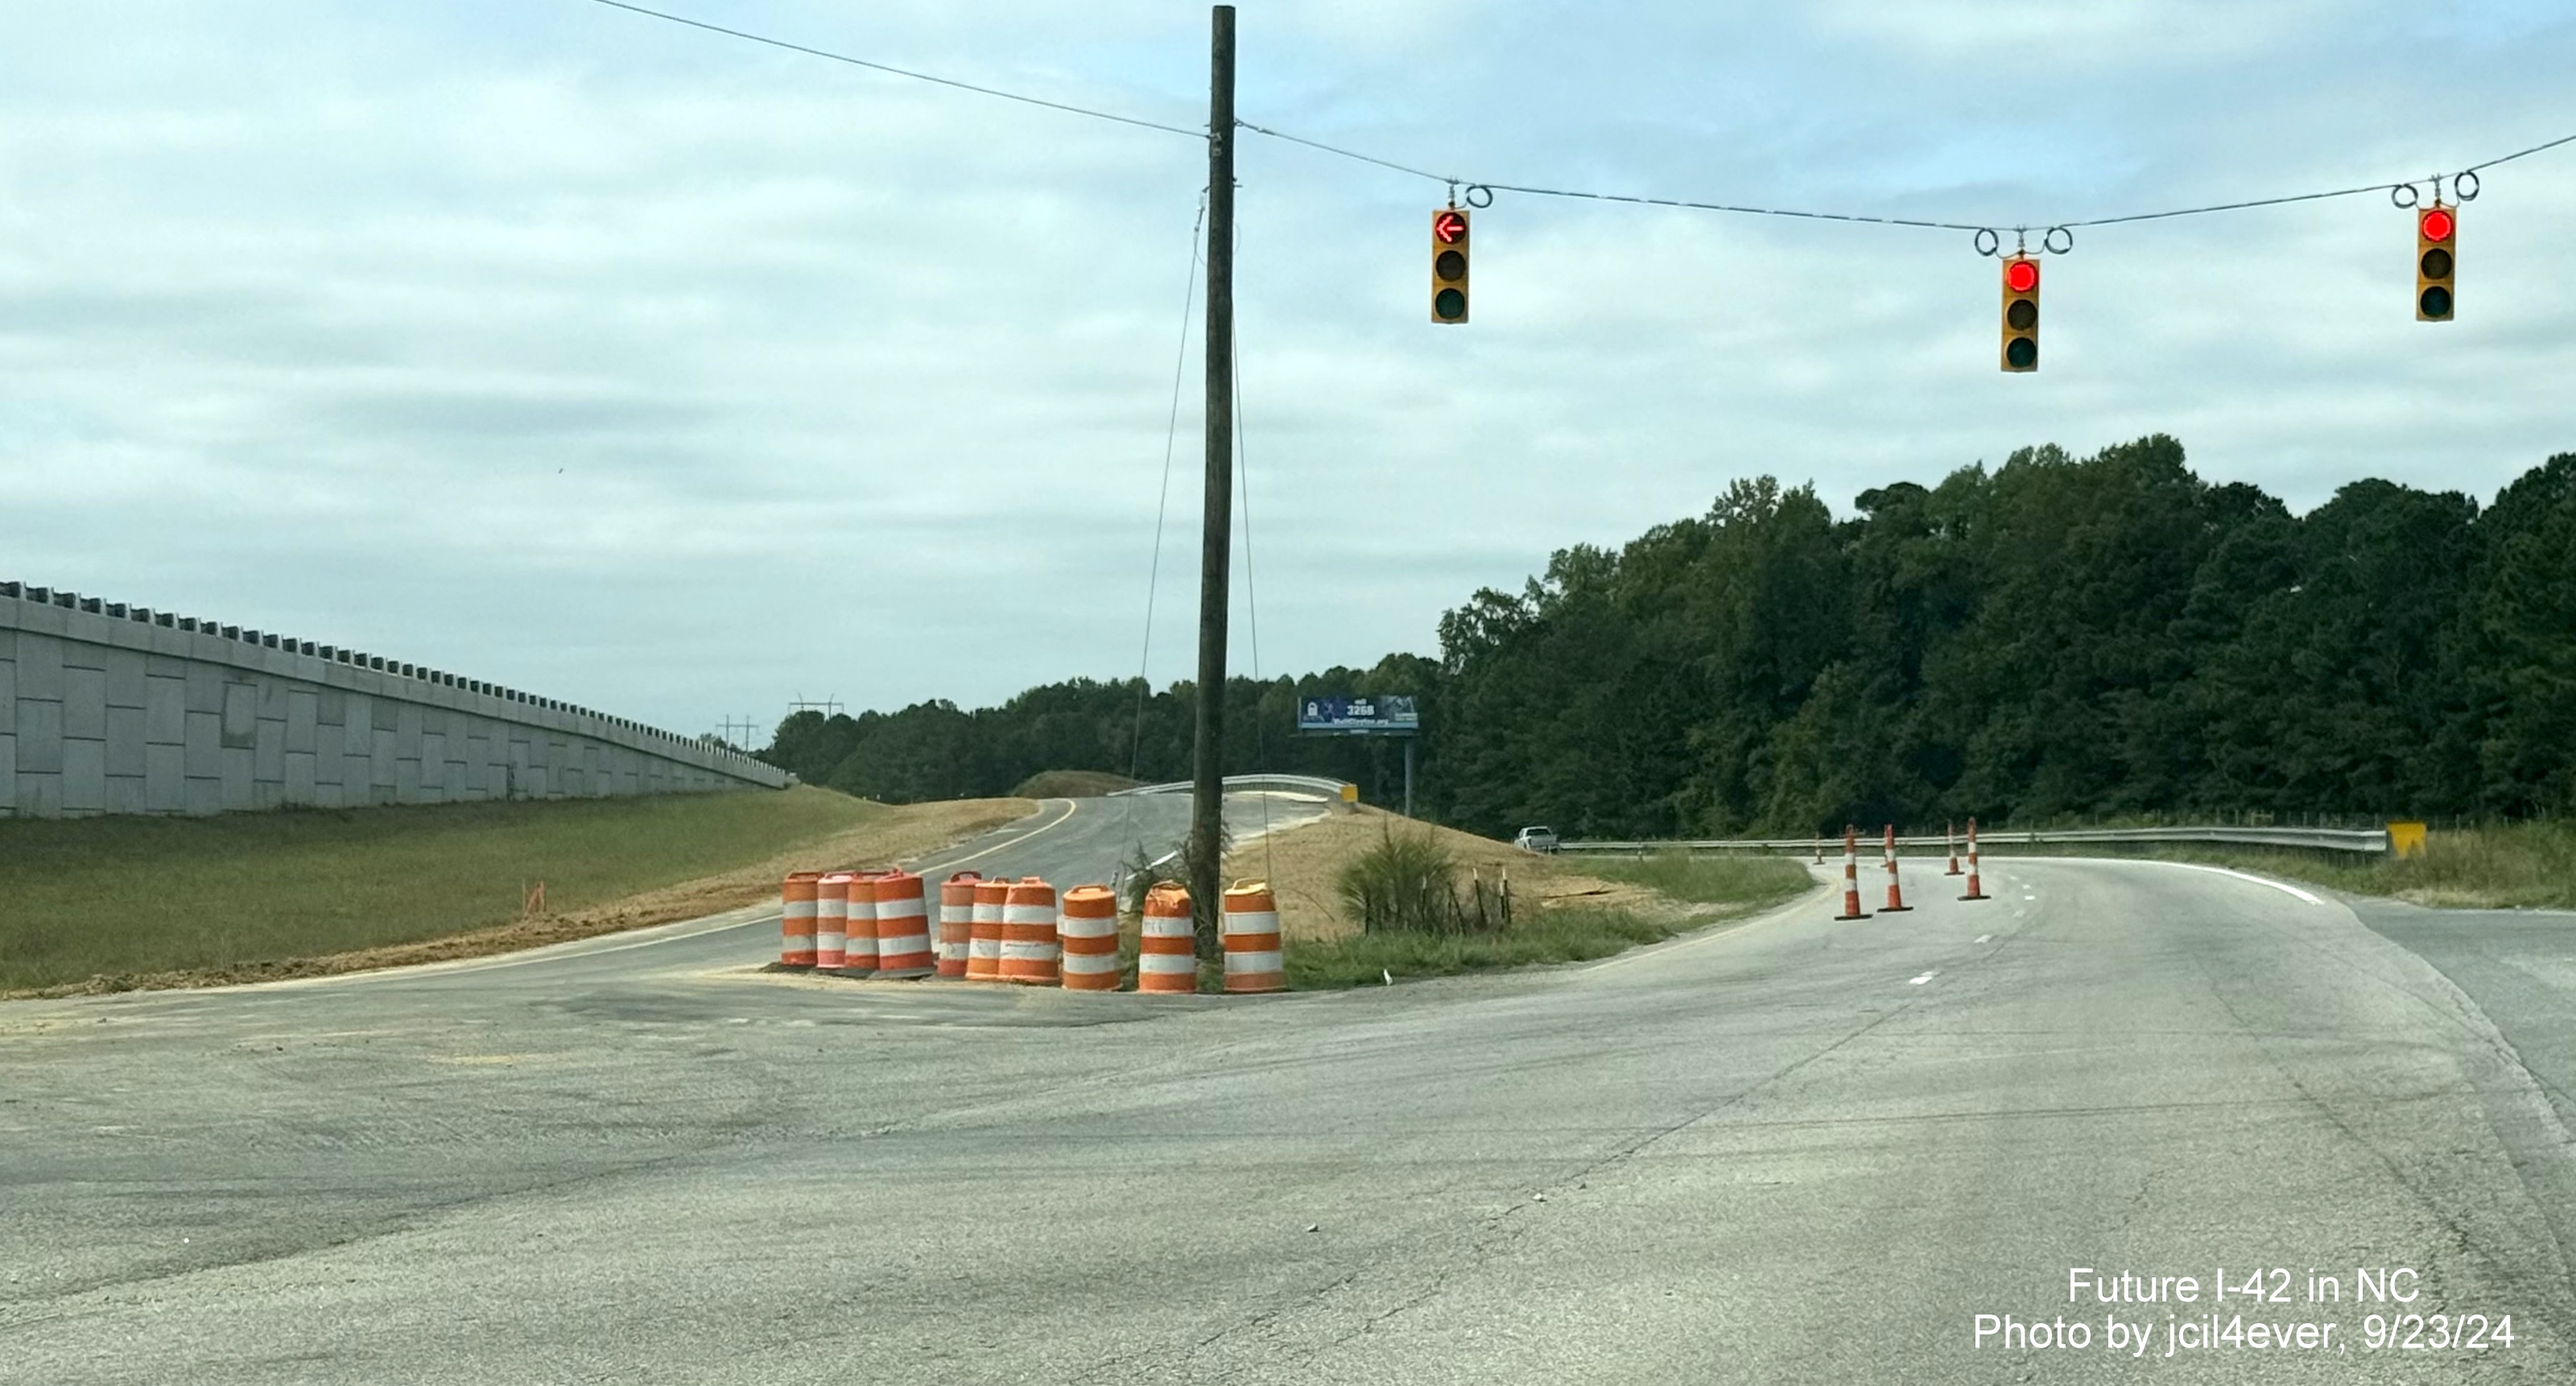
(1449, 265)
(2021, 313)
(2437, 243)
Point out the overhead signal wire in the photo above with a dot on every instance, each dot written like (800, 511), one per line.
(1474, 187)
(891, 70)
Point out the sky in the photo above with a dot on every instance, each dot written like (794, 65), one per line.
(685, 378)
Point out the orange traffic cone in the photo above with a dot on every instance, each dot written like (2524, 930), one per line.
(1975, 891)
(1949, 834)
(1851, 876)
(1895, 899)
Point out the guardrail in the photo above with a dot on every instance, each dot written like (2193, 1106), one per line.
(1313, 784)
(2364, 840)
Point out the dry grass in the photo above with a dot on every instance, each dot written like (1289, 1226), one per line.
(1304, 865)
(303, 895)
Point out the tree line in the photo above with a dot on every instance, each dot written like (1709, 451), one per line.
(2057, 636)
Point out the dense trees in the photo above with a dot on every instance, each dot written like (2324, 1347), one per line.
(2058, 636)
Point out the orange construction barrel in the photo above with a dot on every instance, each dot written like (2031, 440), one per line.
(1088, 933)
(903, 927)
(1167, 955)
(1028, 934)
(1251, 932)
(956, 921)
(796, 919)
(984, 942)
(831, 919)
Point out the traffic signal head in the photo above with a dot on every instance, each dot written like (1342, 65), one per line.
(1449, 265)
(2437, 233)
(2021, 313)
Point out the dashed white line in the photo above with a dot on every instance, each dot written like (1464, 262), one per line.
(1982, 938)
(1916, 982)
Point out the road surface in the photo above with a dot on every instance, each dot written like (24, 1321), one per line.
(1791, 1151)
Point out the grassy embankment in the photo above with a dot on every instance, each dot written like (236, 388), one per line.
(1072, 784)
(2504, 866)
(107, 904)
(1564, 909)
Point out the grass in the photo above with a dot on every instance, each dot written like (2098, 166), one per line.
(100, 903)
(1550, 936)
(1752, 882)
(2505, 866)
(1686, 892)
(1072, 784)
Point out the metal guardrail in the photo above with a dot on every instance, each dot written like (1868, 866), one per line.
(2367, 840)
(1313, 784)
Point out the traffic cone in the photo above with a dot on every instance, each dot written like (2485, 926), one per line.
(1975, 891)
(1895, 899)
(1949, 834)
(1851, 876)
(1820, 849)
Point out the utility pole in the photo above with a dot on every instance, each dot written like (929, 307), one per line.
(1207, 750)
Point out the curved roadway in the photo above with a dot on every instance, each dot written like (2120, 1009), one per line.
(1791, 1151)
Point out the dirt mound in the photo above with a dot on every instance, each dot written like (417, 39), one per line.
(1303, 867)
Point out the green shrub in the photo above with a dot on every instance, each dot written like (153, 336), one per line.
(1408, 884)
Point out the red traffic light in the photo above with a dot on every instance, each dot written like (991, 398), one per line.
(1449, 227)
(2021, 276)
(2437, 224)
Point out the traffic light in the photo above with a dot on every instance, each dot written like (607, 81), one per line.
(2437, 233)
(2021, 313)
(1449, 265)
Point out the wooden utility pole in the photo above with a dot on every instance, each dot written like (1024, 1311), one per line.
(1207, 750)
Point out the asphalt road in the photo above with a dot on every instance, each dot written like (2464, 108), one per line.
(1792, 1151)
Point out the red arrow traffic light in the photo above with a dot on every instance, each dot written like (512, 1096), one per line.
(1449, 227)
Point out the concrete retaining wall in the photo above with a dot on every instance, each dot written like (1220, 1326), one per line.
(111, 709)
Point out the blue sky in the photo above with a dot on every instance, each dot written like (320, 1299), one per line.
(679, 377)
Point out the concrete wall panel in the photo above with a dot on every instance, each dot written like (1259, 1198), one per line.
(205, 686)
(124, 677)
(165, 779)
(241, 715)
(40, 795)
(165, 710)
(205, 744)
(85, 773)
(125, 741)
(104, 713)
(40, 667)
(84, 704)
(268, 752)
(40, 734)
(303, 719)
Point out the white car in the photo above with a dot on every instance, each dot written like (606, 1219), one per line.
(1535, 840)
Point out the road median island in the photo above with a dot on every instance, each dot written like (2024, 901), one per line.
(114, 904)
(1562, 909)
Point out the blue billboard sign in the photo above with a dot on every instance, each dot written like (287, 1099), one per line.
(1392, 715)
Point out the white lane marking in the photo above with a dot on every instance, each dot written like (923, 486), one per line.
(1916, 982)
(2281, 886)
(1981, 938)
(937, 865)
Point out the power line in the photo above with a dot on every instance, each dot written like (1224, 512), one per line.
(1488, 189)
(1474, 187)
(891, 70)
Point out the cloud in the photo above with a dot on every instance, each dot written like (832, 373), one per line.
(675, 375)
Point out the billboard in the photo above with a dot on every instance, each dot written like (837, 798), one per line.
(1392, 715)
